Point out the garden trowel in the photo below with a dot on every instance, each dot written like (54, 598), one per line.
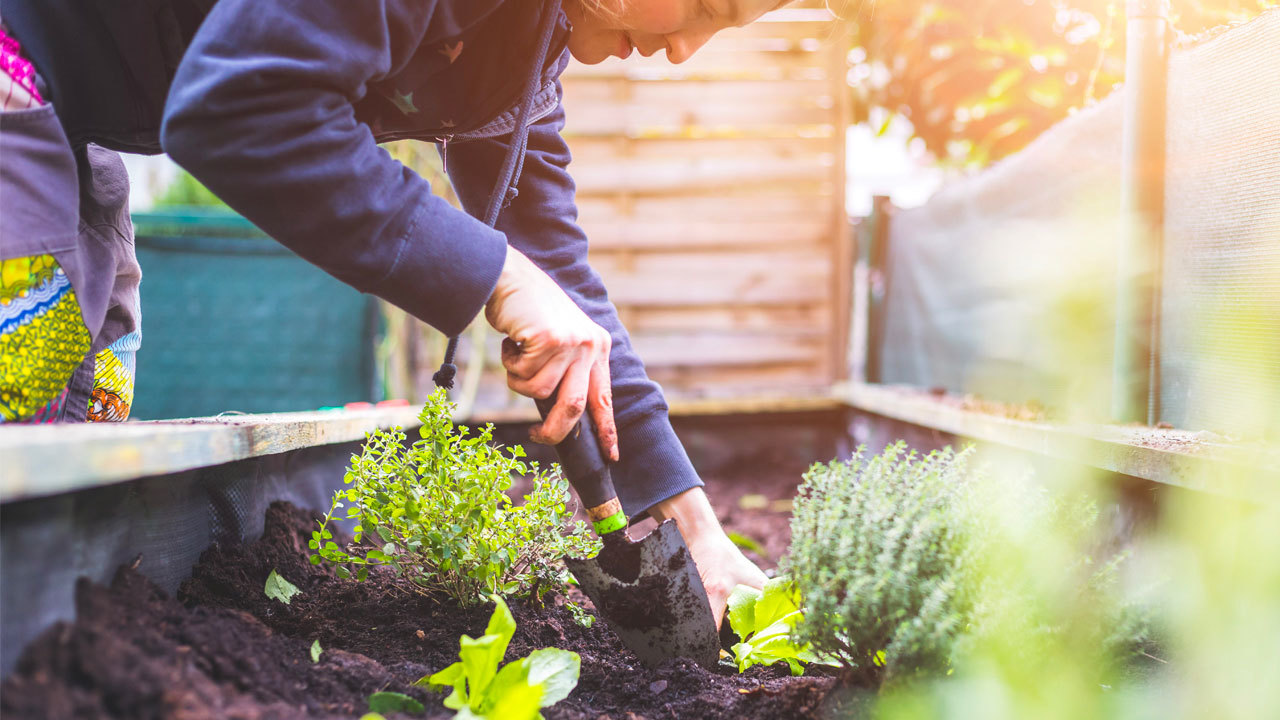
(647, 590)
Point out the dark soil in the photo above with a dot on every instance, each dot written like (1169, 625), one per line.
(222, 649)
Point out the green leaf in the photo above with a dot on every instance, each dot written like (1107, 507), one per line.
(450, 677)
(482, 690)
(512, 675)
(393, 702)
(316, 650)
(501, 623)
(521, 702)
(742, 609)
(779, 599)
(556, 671)
(766, 620)
(277, 588)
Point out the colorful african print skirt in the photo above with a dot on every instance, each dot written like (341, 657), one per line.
(43, 340)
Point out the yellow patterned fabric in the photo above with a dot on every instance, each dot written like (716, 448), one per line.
(112, 389)
(43, 338)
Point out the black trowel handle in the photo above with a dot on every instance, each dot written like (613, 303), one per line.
(588, 472)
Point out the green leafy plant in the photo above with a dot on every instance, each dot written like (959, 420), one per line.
(394, 702)
(437, 513)
(765, 620)
(316, 651)
(277, 588)
(519, 689)
(905, 567)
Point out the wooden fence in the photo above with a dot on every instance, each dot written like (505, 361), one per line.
(713, 196)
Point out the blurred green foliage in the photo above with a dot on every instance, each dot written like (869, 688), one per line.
(979, 79)
(185, 190)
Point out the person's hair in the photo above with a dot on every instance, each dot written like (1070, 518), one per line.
(612, 9)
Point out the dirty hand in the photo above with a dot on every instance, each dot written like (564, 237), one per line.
(551, 344)
(721, 565)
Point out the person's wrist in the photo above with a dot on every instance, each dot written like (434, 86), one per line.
(692, 512)
(508, 278)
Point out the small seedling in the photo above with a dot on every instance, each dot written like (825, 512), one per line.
(316, 651)
(394, 702)
(519, 689)
(277, 588)
(766, 622)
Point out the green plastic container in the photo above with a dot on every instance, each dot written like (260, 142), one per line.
(234, 321)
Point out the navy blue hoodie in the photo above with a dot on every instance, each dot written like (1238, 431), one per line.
(278, 105)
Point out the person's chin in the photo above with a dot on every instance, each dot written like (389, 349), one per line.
(588, 55)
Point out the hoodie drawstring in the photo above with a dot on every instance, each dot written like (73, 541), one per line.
(504, 189)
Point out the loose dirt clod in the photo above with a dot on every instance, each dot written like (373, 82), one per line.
(223, 649)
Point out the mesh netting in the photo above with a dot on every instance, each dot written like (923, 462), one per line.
(1004, 283)
(167, 521)
(1220, 349)
(978, 276)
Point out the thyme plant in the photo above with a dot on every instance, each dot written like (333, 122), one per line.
(907, 563)
(437, 513)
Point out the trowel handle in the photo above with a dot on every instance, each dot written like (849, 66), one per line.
(588, 472)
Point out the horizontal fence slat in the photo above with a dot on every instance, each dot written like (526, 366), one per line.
(697, 174)
(611, 149)
(703, 278)
(727, 348)
(683, 233)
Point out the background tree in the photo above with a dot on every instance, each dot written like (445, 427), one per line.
(979, 79)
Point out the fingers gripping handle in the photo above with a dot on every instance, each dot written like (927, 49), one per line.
(588, 472)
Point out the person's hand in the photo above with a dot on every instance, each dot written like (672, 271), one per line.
(721, 565)
(552, 345)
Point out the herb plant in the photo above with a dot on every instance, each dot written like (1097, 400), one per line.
(765, 620)
(519, 689)
(437, 513)
(905, 565)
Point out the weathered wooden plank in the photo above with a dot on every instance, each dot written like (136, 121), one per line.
(671, 279)
(727, 348)
(49, 459)
(697, 175)
(636, 118)
(687, 233)
(744, 381)
(587, 91)
(768, 204)
(612, 149)
(1174, 457)
(804, 320)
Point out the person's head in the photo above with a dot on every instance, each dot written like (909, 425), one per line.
(613, 27)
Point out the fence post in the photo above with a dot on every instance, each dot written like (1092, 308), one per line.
(875, 255)
(1135, 383)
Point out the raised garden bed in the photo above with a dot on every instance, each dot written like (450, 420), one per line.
(223, 649)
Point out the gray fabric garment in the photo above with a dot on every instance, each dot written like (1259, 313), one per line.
(73, 205)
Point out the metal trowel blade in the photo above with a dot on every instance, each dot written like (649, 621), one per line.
(650, 594)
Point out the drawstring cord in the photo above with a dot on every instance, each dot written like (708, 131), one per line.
(504, 189)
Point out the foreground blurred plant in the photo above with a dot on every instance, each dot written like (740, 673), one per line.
(901, 561)
(437, 513)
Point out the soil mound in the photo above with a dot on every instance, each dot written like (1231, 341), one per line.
(222, 649)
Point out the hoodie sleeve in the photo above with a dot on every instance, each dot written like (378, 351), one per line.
(262, 112)
(542, 223)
